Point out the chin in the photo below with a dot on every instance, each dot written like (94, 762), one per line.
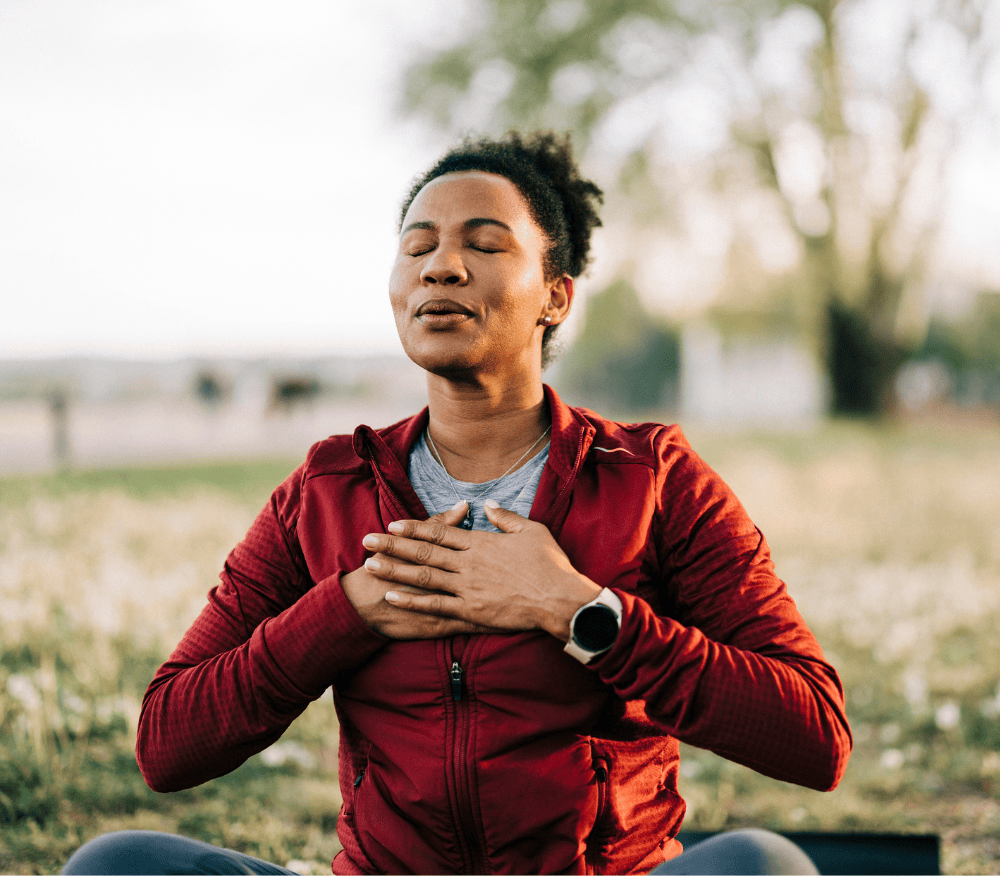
(442, 358)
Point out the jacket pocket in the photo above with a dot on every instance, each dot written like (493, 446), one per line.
(642, 807)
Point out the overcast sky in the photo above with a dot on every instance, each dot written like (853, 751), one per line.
(183, 176)
(215, 176)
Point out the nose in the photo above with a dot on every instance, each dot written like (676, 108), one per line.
(445, 266)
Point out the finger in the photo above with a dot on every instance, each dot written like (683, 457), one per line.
(408, 588)
(454, 515)
(410, 551)
(452, 626)
(424, 577)
(433, 532)
(380, 557)
(502, 519)
(416, 625)
(438, 604)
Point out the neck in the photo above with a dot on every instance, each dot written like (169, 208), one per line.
(480, 431)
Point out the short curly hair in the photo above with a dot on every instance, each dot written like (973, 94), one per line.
(563, 203)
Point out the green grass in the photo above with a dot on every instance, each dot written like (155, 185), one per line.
(888, 538)
(245, 481)
(100, 572)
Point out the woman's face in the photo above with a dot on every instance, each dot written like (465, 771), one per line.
(468, 287)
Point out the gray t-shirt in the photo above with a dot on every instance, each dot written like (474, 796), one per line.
(437, 490)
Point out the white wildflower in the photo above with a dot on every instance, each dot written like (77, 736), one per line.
(948, 715)
(991, 764)
(24, 690)
(915, 688)
(991, 707)
(287, 752)
(892, 759)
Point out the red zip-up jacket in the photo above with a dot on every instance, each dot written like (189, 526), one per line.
(499, 753)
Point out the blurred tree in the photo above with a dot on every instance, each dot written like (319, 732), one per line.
(623, 359)
(970, 349)
(817, 129)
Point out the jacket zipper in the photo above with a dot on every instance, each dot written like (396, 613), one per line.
(597, 837)
(358, 781)
(602, 796)
(466, 828)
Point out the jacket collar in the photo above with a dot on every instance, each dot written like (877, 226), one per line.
(388, 451)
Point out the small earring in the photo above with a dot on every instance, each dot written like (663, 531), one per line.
(547, 320)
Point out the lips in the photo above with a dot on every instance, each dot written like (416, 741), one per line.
(442, 314)
(441, 306)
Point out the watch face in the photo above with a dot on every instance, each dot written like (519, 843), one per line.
(596, 628)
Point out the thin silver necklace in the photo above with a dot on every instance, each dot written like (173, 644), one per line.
(468, 521)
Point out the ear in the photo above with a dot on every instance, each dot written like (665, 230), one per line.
(560, 299)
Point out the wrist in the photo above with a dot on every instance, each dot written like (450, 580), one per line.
(578, 591)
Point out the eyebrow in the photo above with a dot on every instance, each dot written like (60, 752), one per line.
(469, 224)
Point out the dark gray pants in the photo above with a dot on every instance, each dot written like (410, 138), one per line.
(146, 851)
(750, 851)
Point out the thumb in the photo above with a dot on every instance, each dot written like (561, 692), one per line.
(502, 519)
(454, 515)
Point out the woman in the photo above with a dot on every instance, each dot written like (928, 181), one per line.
(512, 675)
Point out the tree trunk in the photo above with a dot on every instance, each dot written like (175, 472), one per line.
(862, 364)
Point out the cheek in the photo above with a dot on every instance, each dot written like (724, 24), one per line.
(526, 289)
(397, 289)
(514, 280)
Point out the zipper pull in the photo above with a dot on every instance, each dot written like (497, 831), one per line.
(456, 681)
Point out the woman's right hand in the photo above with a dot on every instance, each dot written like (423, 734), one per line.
(367, 594)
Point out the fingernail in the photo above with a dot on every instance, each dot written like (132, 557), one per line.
(391, 596)
(492, 503)
(370, 541)
(373, 564)
(461, 503)
(395, 527)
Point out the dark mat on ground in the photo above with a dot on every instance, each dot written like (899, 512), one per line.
(871, 853)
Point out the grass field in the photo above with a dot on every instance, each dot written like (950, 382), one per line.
(889, 539)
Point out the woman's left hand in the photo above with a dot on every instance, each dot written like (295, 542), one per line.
(515, 579)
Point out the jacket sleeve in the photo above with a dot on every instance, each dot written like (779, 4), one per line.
(734, 669)
(268, 643)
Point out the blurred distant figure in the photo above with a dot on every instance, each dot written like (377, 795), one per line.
(210, 388)
(59, 408)
(288, 393)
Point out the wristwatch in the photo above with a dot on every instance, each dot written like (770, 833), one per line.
(594, 627)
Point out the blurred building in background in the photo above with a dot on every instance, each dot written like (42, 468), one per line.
(749, 381)
(115, 412)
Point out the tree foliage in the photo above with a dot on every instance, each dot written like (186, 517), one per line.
(624, 360)
(820, 126)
